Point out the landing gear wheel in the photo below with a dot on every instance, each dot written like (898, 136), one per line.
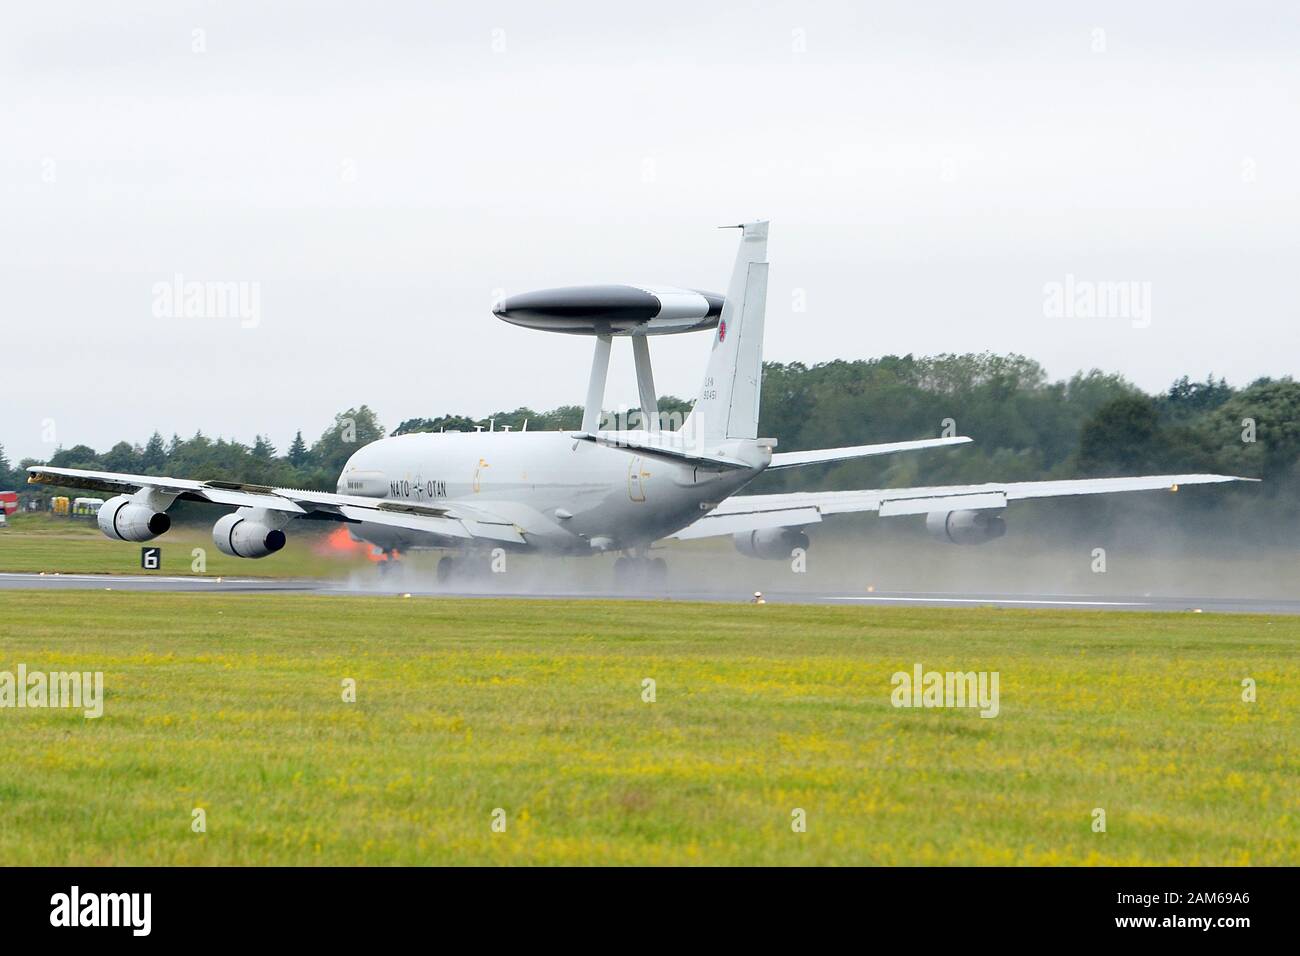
(657, 572)
(465, 570)
(624, 572)
(639, 574)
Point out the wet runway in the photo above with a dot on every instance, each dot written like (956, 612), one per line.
(115, 582)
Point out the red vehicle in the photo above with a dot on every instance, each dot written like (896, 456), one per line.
(9, 500)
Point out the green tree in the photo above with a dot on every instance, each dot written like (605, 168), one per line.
(444, 423)
(262, 448)
(154, 458)
(1187, 399)
(1122, 437)
(564, 418)
(298, 453)
(1256, 433)
(351, 430)
(123, 457)
(78, 456)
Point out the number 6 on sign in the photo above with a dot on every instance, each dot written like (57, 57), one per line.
(151, 558)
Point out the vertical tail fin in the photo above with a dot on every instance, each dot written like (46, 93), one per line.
(727, 406)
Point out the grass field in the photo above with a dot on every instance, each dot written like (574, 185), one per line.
(233, 704)
(45, 543)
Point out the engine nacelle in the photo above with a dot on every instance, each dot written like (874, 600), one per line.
(966, 527)
(123, 519)
(770, 544)
(242, 537)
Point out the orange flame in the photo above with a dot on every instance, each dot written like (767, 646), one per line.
(341, 544)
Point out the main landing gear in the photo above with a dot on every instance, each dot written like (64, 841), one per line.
(636, 572)
(449, 569)
(464, 569)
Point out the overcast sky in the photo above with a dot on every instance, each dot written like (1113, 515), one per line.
(379, 172)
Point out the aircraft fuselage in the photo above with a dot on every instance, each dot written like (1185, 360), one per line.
(562, 493)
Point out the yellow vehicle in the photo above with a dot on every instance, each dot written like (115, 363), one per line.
(86, 507)
(59, 504)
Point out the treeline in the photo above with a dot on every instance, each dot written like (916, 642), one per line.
(1025, 428)
(564, 418)
(299, 466)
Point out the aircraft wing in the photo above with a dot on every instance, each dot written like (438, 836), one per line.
(755, 512)
(451, 520)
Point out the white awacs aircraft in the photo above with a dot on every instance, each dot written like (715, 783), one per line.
(592, 490)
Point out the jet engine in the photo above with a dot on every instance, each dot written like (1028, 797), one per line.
(123, 519)
(966, 527)
(241, 536)
(770, 544)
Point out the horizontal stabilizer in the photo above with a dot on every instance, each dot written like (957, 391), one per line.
(640, 443)
(790, 459)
